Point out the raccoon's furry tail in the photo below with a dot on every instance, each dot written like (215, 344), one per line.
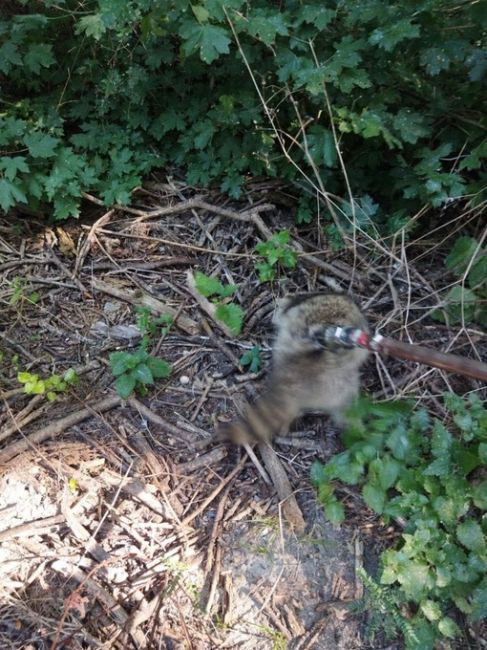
(260, 422)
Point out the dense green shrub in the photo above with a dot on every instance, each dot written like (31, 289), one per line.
(429, 476)
(96, 94)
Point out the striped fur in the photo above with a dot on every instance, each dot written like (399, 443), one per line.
(304, 376)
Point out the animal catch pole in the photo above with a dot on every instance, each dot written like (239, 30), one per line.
(350, 337)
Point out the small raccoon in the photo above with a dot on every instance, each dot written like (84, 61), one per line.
(304, 375)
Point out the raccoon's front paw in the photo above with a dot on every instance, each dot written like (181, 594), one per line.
(234, 432)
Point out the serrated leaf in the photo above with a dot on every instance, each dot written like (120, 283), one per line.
(479, 601)
(374, 496)
(325, 493)
(461, 254)
(92, 25)
(38, 55)
(267, 26)
(448, 627)
(389, 472)
(232, 316)
(318, 16)
(477, 276)
(457, 301)
(210, 286)
(483, 452)
(479, 495)
(70, 376)
(434, 60)
(9, 57)
(439, 467)
(41, 145)
(431, 610)
(201, 14)
(10, 195)
(159, 367)
(415, 579)
(399, 443)
(335, 512)
(143, 374)
(13, 164)
(124, 385)
(120, 362)
(24, 377)
(470, 535)
(317, 473)
(441, 440)
(388, 36)
(210, 40)
(265, 271)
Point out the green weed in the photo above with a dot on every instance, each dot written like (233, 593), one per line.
(431, 475)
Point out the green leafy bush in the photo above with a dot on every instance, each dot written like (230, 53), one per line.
(431, 476)
(276, 252)
(252, 359)
(229, 313)
(466, 301)
(149, 325)
(136, 370)
(95, 99)
(50, 386)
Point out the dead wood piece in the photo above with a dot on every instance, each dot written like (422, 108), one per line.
(116, 611)
(211, 458)
(18, 347)
(81, 533)
(141, 299)
(252, 214)
(23, 420)
(158, 470)
(37, 527)
(290, 508)
(135, 265)
(138, 489)
(156, 419)
(58, 427)
(201, 508)
(221, 345)
(308, 641)
(207, 306)
(257, 464)
(318, 446)
(90, 237)
(69, 274)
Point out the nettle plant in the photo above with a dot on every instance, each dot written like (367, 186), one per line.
(430, 476)
(94, 100)
(276, 253)
(135, 371)
(229, 313)
(467, 300)
(51, 386)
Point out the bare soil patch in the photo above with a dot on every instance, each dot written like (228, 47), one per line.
(129, 524)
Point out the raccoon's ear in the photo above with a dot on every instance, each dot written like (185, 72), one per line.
(282, 304)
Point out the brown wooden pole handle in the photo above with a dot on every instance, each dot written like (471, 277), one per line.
(443, 360)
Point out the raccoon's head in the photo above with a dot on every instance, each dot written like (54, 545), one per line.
(301, 320)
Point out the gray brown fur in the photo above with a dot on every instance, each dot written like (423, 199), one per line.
(304, 376)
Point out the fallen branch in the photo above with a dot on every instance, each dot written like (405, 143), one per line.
(212, 457)
(57, 427)
(207, 306)
(139, 298)
(290, 508)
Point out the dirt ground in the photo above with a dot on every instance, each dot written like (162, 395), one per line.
(128, 524)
